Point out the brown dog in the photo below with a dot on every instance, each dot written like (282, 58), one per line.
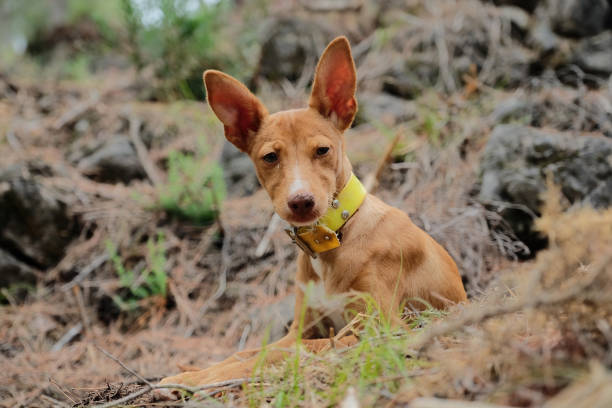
(351, 242)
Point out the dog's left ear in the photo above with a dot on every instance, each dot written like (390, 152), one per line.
(333, 91)
(236, 107)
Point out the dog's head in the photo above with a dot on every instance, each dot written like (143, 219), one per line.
(298, 154)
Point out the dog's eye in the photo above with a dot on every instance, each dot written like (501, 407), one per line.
(270, 157)
(322, 151)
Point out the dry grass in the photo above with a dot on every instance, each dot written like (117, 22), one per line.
(530, 331)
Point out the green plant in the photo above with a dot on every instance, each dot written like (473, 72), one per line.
(19, 290)
(195, 188)
(151, 281)
(178, 38)
(379, 363)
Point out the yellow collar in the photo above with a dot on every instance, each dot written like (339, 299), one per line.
(322, 236)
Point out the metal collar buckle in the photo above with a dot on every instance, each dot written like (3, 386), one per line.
(297, 240)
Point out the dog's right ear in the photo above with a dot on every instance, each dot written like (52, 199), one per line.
(236, 107)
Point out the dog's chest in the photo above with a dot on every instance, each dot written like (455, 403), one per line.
(318, 266)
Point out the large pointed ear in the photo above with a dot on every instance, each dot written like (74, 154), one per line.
(236, 107)
(333, 91)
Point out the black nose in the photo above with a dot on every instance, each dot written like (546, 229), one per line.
(301, 204)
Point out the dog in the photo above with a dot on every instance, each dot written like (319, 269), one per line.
(350, 242)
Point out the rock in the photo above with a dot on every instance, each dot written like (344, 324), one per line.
(528, 5)
(517, 160)
(35, 226)
(426, 61)
(238, 172)
(594, 54)
(112, 161)
(14, 271)
(512, 108)
(558, 108)
(544, 38)
(578, 18)
(384, 108)
(291, 45)
(518, 17)
(409, 79)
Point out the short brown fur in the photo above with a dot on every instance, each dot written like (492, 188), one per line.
(382, 254)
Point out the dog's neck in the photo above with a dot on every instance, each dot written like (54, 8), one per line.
(345, 169)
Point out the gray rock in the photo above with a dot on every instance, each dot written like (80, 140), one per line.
(412, 77)
(528, 5)
(518, 17)
(422, 64)
(238, 171)
(290, 46)
(579, 18)
(558, 108)
(13, 271)
(594, 54)
(511, 108)
(385, 108)
(112, 161)
(35, 225)
(543, 38)
(517, 160)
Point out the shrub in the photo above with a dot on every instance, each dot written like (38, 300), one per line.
(151, 281)
(194, 190)
(177, 40)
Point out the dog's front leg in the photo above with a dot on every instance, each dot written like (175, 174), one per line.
(242, 364)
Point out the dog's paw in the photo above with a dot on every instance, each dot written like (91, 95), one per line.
(165, 394)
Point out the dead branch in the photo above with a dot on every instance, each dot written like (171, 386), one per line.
(528, 301)
(325, 6)
(73, 114)
(371, 181)
(76, 290)
(116, 360)
(93, 265)
(150, 386)
(265, 241)
(193, 390)
(66, 338)
(14, 142)
(446, 403)
(143, 154)
(225, 263)
(444, 59)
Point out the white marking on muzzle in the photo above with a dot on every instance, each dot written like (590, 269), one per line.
(298, 183)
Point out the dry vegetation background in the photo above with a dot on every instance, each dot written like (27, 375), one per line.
(129, 227)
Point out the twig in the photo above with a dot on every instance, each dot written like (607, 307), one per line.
(329, 5)
(443, 57)
(81, 305)
(75, 112)
(53, 401)
(265, 241)
(62, 390)
(448, 403)
(128, 369)
(225, 263)
(66, 338)
(193, 390)
(371, 182)
(93, 265)
(143, 154)
(13, 141)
